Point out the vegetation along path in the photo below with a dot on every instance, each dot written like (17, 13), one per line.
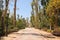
(31, 34)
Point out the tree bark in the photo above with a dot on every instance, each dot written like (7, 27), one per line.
(4, 15)
(15, 13)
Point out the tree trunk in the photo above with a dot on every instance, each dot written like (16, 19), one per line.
(15, 13)
(56, 19)
(50, 27)
(4, 15)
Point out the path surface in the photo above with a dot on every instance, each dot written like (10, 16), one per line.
(31, 34)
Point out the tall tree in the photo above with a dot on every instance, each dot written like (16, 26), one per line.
(15, 2)
(32, 19)
(4, 15)
(32, 15)
(35, 9)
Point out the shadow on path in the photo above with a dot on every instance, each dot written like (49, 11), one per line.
(36, 34)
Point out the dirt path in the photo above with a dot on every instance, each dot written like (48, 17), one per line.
(31, 34)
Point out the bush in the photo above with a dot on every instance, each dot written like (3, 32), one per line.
(50, 31)
(56, 32)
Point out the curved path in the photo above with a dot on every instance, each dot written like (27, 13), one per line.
(31, 34)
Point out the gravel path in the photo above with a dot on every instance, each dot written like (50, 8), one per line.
(31, 34)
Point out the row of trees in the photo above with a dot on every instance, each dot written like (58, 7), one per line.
(9, 23)
(45, 14)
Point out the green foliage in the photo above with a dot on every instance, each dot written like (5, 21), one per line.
(53, 11)
(21, 23)
(32, 20)
(44, 2)
(1, 28)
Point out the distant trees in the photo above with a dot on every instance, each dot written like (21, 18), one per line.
(21, 23)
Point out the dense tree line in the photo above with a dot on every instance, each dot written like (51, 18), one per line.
(20, 24)
(48, 15)
(9, 23)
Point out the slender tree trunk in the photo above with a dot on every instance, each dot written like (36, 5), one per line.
(50, 27)
(56, 23)
(15, 13)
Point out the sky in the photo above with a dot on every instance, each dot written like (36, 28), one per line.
(23, 8)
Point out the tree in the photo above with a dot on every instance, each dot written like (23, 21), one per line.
(4, 15)
(21, 23)
(35, 8)
(53, 11)
(32, 19)
(15, 2)
(1, 27)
